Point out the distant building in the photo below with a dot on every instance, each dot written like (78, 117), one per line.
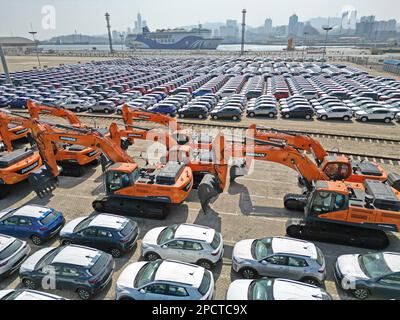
(268, 26)
(115, 35)
(230, 31)
(371, 29)
(293, 25)
(13, 45)
(139, 24)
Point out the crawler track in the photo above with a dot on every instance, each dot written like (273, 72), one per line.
(357, 138)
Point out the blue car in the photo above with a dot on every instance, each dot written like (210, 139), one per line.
(164, 108)
(19, 103)
(4, 102)
(33, 222)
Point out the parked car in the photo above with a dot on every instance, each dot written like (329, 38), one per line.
(76, 105)
(12, 253)
(343, 113)
(279, 257)
(184, 242)
(110, 233)
(262, 109)
(103, 106)
(193, 111)
(274, 289)
(233, 113)
(369, 275)
(164, 280)
(303, 111)
(33, 222)
(83, 270)
(25, 294)
(381, 114)
(164, 108)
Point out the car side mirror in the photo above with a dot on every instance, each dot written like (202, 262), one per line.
(164, 246)
(264, 262)
(142, 291)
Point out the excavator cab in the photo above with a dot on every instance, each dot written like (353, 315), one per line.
(120, 176)
(336, 170)
(322, 201)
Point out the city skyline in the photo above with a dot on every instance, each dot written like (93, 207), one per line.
(16, 20)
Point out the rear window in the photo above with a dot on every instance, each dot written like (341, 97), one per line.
(8, 251)
(49, 218)
(320, 257)
(99, 264)
(216, 241)
(128, 229)
(205, 283)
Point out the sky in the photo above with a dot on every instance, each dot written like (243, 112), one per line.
(59, 17)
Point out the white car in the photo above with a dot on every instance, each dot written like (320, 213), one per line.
(76, 105)
(13, 252)
(184, 242)
(103, 106)
(335, 113)
(274, 289)
(375, 114)
(27, 295)
(164, 280)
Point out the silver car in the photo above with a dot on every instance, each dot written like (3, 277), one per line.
(343, 113)
(262, 109)
(279, 257)
(12, 253)
(274, 289)
(184, 242)
(164, 280)
(104, 106)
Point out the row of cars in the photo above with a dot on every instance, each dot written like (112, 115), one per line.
(272, 268)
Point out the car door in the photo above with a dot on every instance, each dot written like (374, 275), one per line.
(274, 266)
(173, 250)
(10, 227)
(175, 292)
(104, 239)
(193, 252)
(88, 237)
(154, 291)
(387, 287)
(25, 226)
(297, 267)
(68, 277)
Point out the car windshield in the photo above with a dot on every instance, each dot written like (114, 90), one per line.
(83, 224)
(99, 264)
(374, 265)
(205, 283)
(10, 249)
(262, 248)
(216, 241)
(261, 290)
(167, 234)
(48, 258)
(147, 274)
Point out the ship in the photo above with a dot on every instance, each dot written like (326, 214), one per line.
(175, 39)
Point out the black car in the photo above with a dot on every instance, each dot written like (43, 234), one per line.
(233, 113)
(193, 111)
(304, 112)
(83, 270)
(111, 233)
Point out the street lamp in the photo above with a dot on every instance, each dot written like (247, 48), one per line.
(327, 29)
(304, 43)
(36, 47)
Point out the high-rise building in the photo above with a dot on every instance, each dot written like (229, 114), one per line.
(230, 31)
(139, 24)
(293, 25)
(268, 26)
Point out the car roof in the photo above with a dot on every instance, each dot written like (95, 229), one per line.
(5, 241)
(32, 211)
(294, 246)
(76, 255)
(180, 272)
(108, 221)
(195, 232)
(284, 289)
(392, 259)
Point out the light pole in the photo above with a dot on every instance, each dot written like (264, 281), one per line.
(243, 30)
(305, 43)
(5, 67)
(122, 43)
(107, 15)
(327, 29)
(33, 33)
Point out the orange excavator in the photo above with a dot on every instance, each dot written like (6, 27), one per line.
(11, 129)
(130, 190)
(15, 165)
(71, 157)
(336, 167)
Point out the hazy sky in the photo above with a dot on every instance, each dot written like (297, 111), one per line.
(87, 16)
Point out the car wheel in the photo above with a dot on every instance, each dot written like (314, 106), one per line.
(36, 240)
(28, 283)
(90, 110)
(286, 116)
(346, 118)
(308, 117)
(215, 117)
(323, 118)
(119, 112)
(271, 115)
(361, 293)
(83, 294)
(364, 119)
(200, 116)
(251, 114)
(65, 243)
(106, 111)
(151, 256)
(248, 273)
(388, 120)
(115, 252)
(311, 281)
(205, 264)
(78, 109)
(235, 118)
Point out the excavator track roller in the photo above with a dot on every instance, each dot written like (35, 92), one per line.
(208, 189)
(394, 181)
(42, 181)
(295, 202)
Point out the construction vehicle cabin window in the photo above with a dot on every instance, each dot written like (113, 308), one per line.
(325, 202)
(117, 180)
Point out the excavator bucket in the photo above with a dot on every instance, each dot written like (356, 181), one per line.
(42, 181)
(238, 170)
(208, 189)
